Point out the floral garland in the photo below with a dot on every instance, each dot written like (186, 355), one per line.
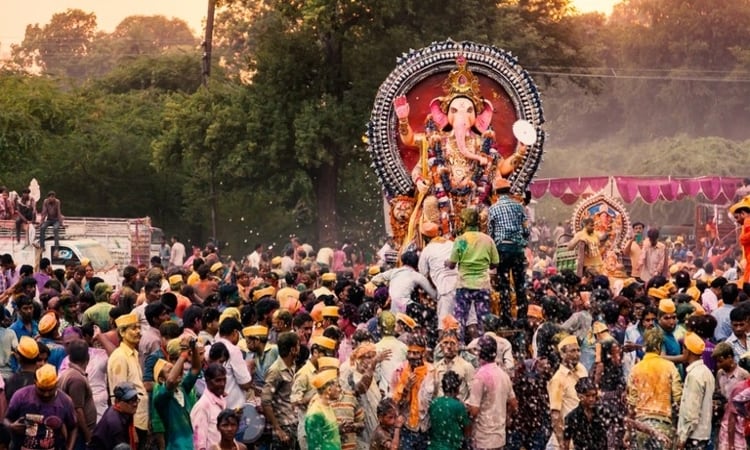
(479, 180)
(480, 183)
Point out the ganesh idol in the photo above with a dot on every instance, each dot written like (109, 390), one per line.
(458, 160)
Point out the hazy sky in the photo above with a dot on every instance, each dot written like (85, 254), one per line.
(17, 14)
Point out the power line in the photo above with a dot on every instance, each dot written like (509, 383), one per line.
(642, 77)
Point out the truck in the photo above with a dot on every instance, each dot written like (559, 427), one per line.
(127, 240)
(70, 250)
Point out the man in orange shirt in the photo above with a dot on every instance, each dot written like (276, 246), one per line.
(741, 213)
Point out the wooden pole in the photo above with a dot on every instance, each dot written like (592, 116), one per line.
(207, 41)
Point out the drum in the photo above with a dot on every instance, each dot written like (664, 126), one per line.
(251, 426)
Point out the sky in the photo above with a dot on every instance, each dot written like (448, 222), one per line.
(17, 14)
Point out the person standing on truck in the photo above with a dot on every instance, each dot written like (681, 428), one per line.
(51, 216)
(176, 253)
(25, 212)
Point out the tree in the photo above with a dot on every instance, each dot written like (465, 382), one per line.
(137, 37)
(59, 47)
(34, 113)
(204, 134)
(178, 72)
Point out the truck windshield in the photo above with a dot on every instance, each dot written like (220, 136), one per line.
(97, 254)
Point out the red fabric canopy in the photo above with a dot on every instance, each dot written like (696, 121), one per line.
(718, 190)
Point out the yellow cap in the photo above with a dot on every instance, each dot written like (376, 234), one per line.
(216, 266)
(600, 328)
(658, 293)
(276, 261)
(255, 331)
(322, 341)
(47, 323)
(328, 276)
(568, 340)
(331, 311)
(46, 376)
(126, 320)
(693, 292)
(698, 309)
(265, 292)
(174, 347)
(694, 343)
(321, 379)
(744, 203)
(287, 293)
(230, 312)
(27, 347)
(667, 306)
(158, 367)
(85, 262)
(408, 321)
(175, 279)
(373, 270)
(326, 362)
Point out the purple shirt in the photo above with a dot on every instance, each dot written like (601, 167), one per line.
(41, 279)
(707, 359)
(46, 418)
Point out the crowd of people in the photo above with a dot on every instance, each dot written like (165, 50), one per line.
(465, 344)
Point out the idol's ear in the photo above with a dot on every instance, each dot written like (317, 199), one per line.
(484, 119)
(438, 116)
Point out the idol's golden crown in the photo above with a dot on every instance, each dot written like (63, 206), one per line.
(461, 83)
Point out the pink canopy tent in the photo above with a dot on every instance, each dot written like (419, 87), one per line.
(718, 190)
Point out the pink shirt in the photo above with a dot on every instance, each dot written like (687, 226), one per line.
(203, 417)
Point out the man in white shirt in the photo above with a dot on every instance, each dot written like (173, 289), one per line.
(402, 281)
(432, 265)
(176, 253)
(696, 406)
(239, 380)
(386, 369)
(253, 259)
(710, 296)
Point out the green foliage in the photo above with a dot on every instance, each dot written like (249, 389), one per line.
(273, 144)
(59, 47)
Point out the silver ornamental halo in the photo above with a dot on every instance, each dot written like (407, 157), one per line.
(598, 201)
(440, 57)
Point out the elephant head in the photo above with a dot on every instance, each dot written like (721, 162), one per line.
(462, 119)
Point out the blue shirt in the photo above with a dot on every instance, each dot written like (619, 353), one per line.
(507, 222)
(20, 330)
(723, 324)
(56, 352)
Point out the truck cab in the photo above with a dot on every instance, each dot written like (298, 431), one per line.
(75, 250)
(69, 250)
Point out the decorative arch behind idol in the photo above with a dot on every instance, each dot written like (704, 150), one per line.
(419, 75)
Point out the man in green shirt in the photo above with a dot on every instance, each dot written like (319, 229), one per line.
(475, 254)
(173, 397)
